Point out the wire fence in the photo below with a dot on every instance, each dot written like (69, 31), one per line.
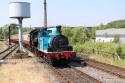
(113, 55)
(93, 52)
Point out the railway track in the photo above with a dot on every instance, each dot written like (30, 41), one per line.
(7, 52)
(69, 74)
(77, 76)
(114, 70)
(73, 75)
(104, 77)
(62, 77)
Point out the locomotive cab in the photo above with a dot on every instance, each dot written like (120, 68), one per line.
(34, 39)
(53, 31)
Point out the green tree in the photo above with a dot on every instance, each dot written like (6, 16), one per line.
(68, 32)
(79, 36)
(14, 29)
(116, 38)
(1, 33)
(88, 33)
(26, 29)
(119, 52)
(93, 33)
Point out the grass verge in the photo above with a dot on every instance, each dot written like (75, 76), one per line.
(109, 60)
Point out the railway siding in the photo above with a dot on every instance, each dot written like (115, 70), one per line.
(104, 77)
(77, 76)
(114, 70)
(7, 52)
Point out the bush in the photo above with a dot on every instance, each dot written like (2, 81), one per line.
(83, 44)
(77, 35)
(119, 51)
(116, 38)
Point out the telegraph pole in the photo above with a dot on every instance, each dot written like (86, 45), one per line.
(45, 13)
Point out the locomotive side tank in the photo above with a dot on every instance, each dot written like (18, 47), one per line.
(51, 45)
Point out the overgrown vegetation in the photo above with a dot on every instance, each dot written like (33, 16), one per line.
(76, 35)
(4, 30)
(117, 38)
(83, 40)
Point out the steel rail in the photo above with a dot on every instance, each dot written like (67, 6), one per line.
(7, 52)
(86, 76)
(114, 70)
(57, 72)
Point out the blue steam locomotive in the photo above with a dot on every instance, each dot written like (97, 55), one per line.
(51, 45)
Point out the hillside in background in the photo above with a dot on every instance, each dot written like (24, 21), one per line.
(113, 24)
(116, 24)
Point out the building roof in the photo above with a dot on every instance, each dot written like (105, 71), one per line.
(111, 31)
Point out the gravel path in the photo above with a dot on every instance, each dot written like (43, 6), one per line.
(3, 46)
(23, 71)
(72, 75)
(75, 76)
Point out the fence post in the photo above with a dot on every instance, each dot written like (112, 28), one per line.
(113, 55)
(93, 50)
(98, 52)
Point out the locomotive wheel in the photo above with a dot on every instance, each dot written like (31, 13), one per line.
(44, 57)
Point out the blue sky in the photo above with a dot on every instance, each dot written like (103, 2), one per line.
(69, 12)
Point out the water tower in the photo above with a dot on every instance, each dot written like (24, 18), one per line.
(19, 11)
